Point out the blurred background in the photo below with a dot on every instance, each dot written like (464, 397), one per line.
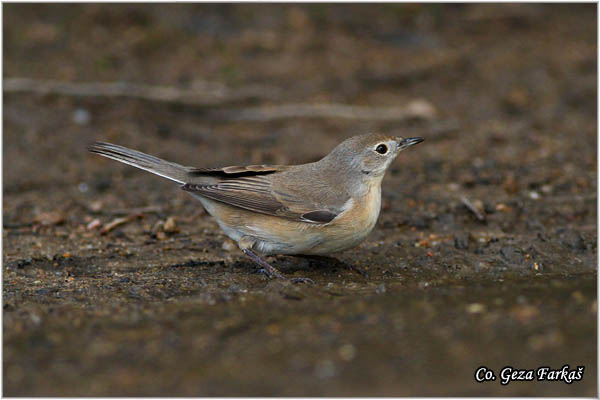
(117, 283)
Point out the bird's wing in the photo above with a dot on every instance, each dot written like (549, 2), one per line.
(238, 170)
(251, 188)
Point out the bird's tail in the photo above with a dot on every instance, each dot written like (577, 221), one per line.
(166, 169)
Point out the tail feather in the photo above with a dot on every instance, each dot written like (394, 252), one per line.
(166, 169)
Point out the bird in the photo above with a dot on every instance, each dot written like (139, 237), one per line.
(311, 209)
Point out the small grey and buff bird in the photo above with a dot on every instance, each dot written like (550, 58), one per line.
(311, 209)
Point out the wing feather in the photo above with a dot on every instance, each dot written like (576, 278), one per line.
(254, 193)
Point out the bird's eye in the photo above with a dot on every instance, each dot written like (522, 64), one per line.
(381, 149)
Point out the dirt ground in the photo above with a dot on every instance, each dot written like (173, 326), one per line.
(164, 304)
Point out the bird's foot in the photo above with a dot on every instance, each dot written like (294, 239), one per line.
(269, 270)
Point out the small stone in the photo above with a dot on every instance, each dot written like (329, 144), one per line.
(50, 218)
(96, 206)
(547, 189)
(578, 296)
(421, 108)
(81, 116)
(36, 319)
(170, 226)
(62, 234)
(160, 235)
(95, 224)
(229, 245)
(347, 352)
(380, 289)
(478, 162)
(236, 289)
(158, 226)
(534, 195)
(502, 207)
(453, 187)
(475, 308)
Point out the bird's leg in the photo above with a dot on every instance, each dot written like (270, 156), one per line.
(271, 271)
(246, 243)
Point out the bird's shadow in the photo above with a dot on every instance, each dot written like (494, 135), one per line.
(321, 264)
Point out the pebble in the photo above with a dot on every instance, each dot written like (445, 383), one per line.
(36, 319)
(81, 116)
(95, 224)
(235, 288)
(476, 308)
(502, 207)
(228, 245)
(160, 235)
(547, 189)
(50, 218)
(578, 296)
(96, 205)
(170, 225)
(347, 352)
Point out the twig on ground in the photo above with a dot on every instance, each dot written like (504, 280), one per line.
(417, 109)
(471, 207)
(207, 93)
(118, 222)
(210, 94)
(136, 211)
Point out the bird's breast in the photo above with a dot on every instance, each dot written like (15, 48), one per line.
(354, 224)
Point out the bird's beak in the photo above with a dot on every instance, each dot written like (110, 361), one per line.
(404, 143)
